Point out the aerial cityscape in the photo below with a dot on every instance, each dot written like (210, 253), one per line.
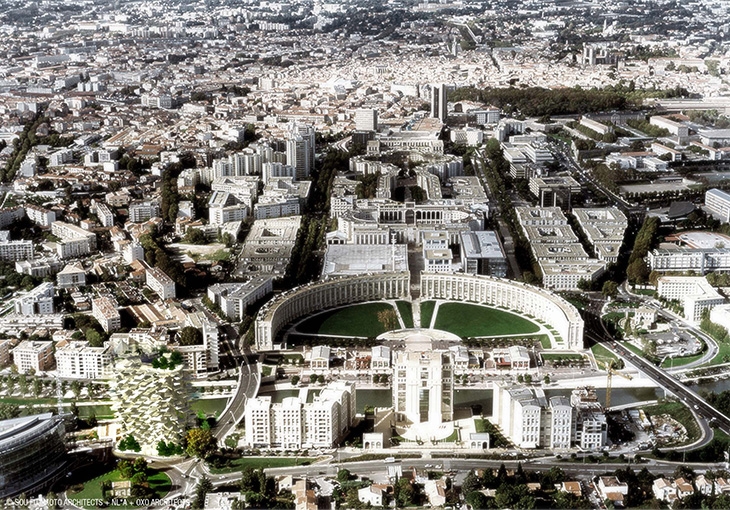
(356, 254)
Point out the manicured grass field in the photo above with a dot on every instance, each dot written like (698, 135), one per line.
(468, 320)
(158, 481)
(427, 313)
(406, 312)
(355, 320)
(261, 463)
(602, 354)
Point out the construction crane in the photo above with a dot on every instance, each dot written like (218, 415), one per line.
(611, 369)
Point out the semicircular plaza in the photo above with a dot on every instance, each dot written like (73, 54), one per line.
(554, 313)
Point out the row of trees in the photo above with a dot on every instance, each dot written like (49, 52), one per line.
(538, 102)
(496, 170)
(637, 270)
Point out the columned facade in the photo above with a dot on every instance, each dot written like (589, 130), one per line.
(538, 303)
(330, 293)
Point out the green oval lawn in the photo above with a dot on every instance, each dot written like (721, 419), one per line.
(468, 320)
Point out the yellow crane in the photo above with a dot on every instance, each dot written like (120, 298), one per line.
(611, 369)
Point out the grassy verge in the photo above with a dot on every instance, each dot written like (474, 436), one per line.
(406, 312)
(561, 357)
(159, 482)
(545, 342)
(679, 362)
(427, 308)
(236, 465)
(602, 354)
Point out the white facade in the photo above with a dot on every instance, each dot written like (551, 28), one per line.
(33, 355)
(77, 360)
(38, 301)
(104, 310)
(695, 294)
(234, 298)
(294, 424)
(717, 203)
(423, 387)
(159, 282)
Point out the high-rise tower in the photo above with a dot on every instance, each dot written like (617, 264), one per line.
(439, 108)
(300, 149)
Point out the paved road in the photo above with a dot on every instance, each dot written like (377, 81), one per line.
(596, 332)
(249, 380)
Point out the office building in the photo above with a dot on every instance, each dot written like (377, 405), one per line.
(482, 253)
(717, 203)
(694, 293)
(439, 102)
(604, 228)
(32, 454)
(366, 119)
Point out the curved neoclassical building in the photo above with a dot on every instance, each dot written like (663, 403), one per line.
(330, 293)
(539, 303)
(318, 296)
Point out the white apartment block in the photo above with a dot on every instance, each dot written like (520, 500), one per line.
(694, 292)
(150, 403)
(530, 420)
(33, 355)
(38, 301)
(234, 298)
(294, 424)
(105, 215)
(276, 207)
(39, 215)
(596, 126)
(73, 248)
(366, 119)
(4, 352)
(210, 333)
(224, 207)
(73, 275)
(274, 170)
(560, 434)
(517, 412)
(104, 309)
(159, 282)
(77, 360)
(561, 257)
(16, 250)
(41, 268)
(141, 211)
(75, 241)
(717, 203)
